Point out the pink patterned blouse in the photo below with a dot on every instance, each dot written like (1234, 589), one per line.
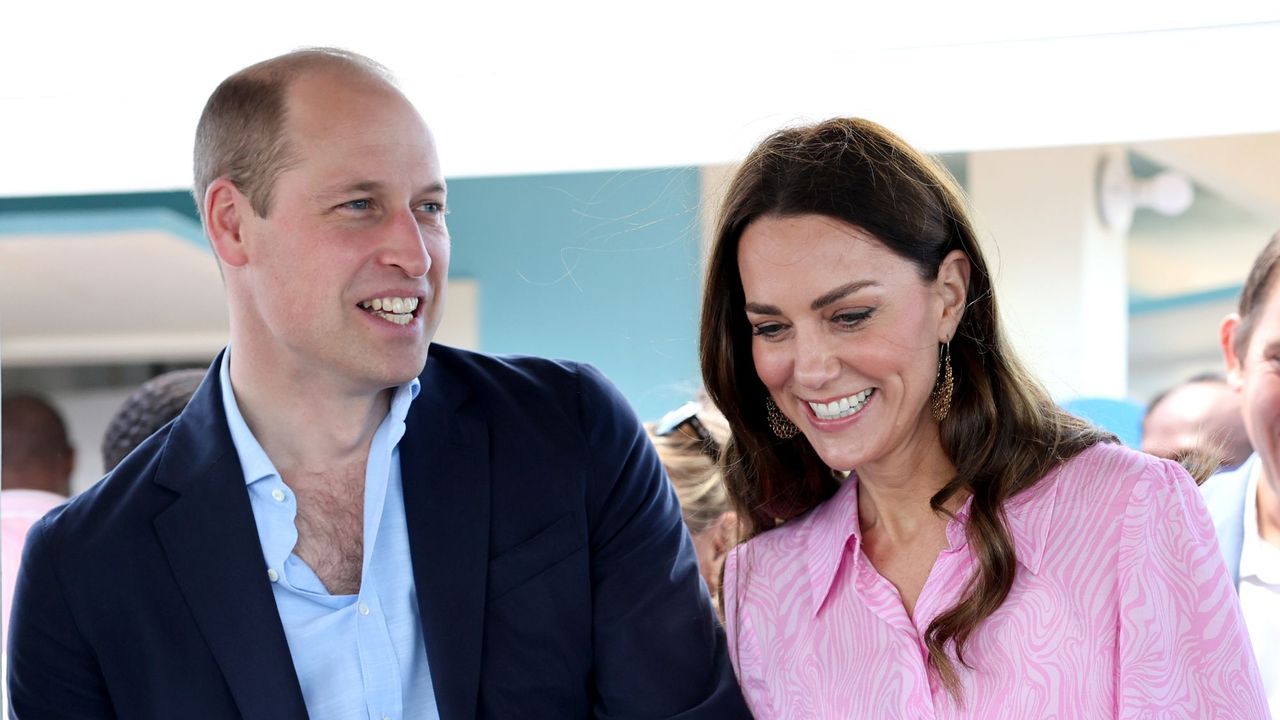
(1121, 608)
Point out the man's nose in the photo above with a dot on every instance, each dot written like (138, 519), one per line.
(405, 244)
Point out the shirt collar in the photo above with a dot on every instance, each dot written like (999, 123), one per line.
(831, 526)
(253, 459)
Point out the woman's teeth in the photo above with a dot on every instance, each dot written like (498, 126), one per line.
(842, 408)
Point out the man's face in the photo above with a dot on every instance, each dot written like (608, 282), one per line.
(345, 278)
(1256, 374)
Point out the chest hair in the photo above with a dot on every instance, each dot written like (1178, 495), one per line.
(330, 526)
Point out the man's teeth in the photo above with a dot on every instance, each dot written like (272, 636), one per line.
(392, 304)
(398, 310)
(842, 408)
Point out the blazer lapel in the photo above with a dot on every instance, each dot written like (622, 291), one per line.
(211, 541)
(444, 460)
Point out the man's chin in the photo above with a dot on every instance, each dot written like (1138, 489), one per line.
(404, 372)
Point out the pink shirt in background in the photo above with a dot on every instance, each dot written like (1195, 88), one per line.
(1121, 608)
(19, 510)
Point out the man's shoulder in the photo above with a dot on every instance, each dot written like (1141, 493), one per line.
(474, 361)
(511, 373)
(122, 503)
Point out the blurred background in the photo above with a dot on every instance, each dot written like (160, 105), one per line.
(1122, 161)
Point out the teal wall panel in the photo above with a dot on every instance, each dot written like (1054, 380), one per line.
(600, 267)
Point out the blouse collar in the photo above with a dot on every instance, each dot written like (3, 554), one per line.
(832, 527)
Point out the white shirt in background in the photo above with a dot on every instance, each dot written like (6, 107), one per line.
(1260, 595)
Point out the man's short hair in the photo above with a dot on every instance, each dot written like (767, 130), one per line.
(241, 133)
(148, 409)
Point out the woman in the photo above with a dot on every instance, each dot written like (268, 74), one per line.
(688, 440)
(989, 556)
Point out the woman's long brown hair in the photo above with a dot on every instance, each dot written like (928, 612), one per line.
(1003, 433)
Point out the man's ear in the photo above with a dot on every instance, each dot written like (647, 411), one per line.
(953, 287)
(1227, 332)
(225, 207)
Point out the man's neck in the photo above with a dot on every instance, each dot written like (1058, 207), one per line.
(306, 425)
(1268, 509)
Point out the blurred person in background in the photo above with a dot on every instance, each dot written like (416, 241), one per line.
(1245, 503)
(36, 462)
(689, 440)
(146, 410)
(1199, 415)
(989, 555)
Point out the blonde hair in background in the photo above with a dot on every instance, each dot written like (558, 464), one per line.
(694, 473)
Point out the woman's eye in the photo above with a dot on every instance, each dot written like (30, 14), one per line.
(767, 330)
(851, 318)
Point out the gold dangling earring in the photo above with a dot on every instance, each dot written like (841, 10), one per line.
(940, 400)
(780, 424)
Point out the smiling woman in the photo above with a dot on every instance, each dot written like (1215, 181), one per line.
(849, 326)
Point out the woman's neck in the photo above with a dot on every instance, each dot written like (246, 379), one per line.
(894, 497)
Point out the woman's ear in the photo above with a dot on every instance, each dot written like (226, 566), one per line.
(224, 210)
(953, 287)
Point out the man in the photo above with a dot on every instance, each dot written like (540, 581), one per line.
(1245, 503)
(36, 461)
(341, 524)
(1199, 415)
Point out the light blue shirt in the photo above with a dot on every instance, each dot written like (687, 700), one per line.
(356, 656)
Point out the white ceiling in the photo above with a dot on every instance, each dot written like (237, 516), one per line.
(103, 97)
(128, 297)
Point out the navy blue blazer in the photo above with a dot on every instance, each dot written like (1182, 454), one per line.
(555, 578)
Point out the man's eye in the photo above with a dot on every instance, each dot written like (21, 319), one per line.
(362, 204)
(433, 208)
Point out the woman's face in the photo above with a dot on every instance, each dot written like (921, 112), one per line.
(845, 336)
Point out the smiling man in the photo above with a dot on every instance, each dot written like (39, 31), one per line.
(346, 520)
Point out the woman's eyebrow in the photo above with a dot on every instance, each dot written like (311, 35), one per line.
(834, 295)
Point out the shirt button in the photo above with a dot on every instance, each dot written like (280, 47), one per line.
(364, 609)
(272, 574)
(278, 494)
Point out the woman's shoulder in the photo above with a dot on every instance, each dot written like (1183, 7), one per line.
(1116, 467)
(1078, 509)
(1109, 460)
(1100, 482)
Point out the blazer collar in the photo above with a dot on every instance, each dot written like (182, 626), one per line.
(210, 539)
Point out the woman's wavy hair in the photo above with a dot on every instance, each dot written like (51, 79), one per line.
(1003, 433)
